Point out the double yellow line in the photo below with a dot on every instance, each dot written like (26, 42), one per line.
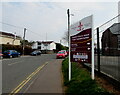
(24, 82)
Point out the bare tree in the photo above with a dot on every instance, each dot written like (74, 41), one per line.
(65, 37)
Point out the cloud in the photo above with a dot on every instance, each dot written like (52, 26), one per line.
(60, 0)
(51, 17)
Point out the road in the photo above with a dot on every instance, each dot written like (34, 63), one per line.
(15, 70)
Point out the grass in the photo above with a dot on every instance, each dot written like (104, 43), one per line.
(81, 82)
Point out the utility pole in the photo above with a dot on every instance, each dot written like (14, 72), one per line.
(24, 40)
(68, 12)
(14, 37)
(60, 41)
(46, 42)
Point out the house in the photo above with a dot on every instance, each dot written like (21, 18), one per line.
(44, 46)
(8, 38)
(111, 40)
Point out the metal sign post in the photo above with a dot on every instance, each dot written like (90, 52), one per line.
(93, 73)
(69, 43)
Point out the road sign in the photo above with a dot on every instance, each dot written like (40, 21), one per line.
(81, 40)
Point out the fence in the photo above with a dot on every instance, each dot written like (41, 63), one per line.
(107, 48)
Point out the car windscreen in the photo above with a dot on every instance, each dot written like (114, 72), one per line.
(60, 52)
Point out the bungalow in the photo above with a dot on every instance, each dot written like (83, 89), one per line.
(8, 38)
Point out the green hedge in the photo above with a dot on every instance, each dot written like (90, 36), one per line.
(18, 48)
(81, 82)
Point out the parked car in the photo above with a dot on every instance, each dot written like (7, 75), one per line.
(37, 52)
(65, 52)
(1, 55)
(60, 54)
(11, 53)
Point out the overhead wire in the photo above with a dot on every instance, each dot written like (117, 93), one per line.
(37, 34)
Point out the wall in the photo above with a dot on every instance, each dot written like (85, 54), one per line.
(5, 40)
(52, 46)
(35, 45)
(43, 47)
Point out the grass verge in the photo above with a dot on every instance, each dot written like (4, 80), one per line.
(81, 82)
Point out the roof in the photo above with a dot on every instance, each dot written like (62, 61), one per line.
(45, 42)
(115, 28)
(8, 34)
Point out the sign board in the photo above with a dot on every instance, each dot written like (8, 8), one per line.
(81, 40)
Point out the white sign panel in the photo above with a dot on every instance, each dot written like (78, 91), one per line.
(83, 24)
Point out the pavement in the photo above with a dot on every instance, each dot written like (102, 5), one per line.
(48, 80)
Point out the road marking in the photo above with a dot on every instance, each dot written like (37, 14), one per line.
(14, 63)
(24, 82)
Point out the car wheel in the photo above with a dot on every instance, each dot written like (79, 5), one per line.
(11, 56)
(1, 57)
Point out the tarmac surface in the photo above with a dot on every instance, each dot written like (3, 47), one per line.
(48, 80)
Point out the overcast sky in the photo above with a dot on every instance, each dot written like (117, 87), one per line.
(50, 18)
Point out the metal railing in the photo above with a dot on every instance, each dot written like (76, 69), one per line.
(107, 48)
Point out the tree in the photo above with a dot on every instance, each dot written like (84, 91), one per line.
(60, 47)
(65, 37)
(27, 43)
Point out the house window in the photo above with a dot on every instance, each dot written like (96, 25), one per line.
(39, 43)
(8, 43)
(46, 45)
(39, 47)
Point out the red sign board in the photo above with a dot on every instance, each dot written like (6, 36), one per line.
(81, 43)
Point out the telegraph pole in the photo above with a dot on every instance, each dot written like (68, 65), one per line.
(24, 40)
(68, 12)
(46, 42)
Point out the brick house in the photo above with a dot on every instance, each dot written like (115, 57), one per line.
(111, 40)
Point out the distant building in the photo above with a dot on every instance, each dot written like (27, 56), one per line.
(111, 40)
(8, 38)
(44, 45)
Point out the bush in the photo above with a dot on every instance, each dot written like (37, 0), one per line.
(81, 82)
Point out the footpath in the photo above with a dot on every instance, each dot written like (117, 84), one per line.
(48, 80)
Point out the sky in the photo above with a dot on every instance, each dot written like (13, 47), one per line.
(46, 20)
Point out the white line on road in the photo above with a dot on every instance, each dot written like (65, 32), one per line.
(14, 63)
(24, 82)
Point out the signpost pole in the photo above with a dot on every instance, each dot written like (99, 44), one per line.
(93, 76)
(69, 43)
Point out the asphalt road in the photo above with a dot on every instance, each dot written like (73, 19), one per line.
(15, 70)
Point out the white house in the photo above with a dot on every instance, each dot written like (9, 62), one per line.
(44, 45)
